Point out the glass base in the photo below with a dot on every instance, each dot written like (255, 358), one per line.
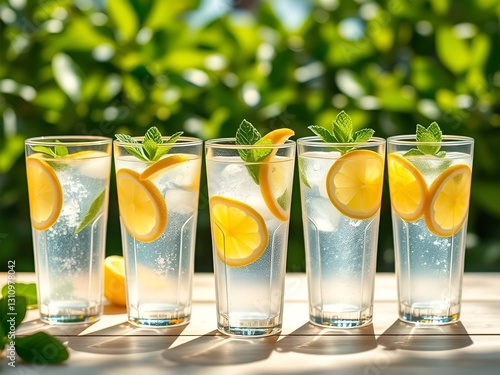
(423, 314)
(70, 312)
(159, 323)
(250, 327)
(158, 315)
(340, 316)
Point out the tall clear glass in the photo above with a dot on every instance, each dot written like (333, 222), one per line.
(68, 185)
(341, 190)
(158, 203)
(430, 202)
(249, 216)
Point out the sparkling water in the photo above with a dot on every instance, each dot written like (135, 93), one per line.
(430, 267)
(69, 264)
(250, 298)
(340, 251)
(159, 273)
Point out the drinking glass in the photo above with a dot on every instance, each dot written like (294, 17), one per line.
(341, 190)
(430, 202)
(249, 215)
(158, 204)
(68, 185)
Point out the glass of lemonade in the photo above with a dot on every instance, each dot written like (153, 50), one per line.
(68, 185)
(341, 190)
(430, 204)
(249, 215)
(158, 203)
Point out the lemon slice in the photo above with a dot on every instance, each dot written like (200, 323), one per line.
(449, 201)
(407, 186)
(142, 207)
(354, 183)
(163, 164)
(274, 179)
(238, 231)
(114, 280)
(45, 193)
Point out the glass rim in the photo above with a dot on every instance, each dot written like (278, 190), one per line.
(184, 141)
(314, 140)
(69, 140)
(230, 144)
(448, 140)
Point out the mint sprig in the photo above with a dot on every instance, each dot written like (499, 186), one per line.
(430, 134)
(56, 152)
(342, 132)
(94, 209)
(153, 146)
(31, 348)
(247, 135)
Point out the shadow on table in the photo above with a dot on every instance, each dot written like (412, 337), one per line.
(36, 325)
(310, 339)
(216, 349)
(401, 335)
(125, 338)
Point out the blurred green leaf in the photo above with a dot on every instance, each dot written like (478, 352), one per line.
(68, 75)
(124, 17)
(79, 35)
(440, 6)
(480, 50)
(162, 12)
(452, 50)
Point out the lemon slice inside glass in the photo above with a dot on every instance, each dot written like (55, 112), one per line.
(45, 193)
(162, 165)
(354, 183)
(114, 280)
(238, 231)
(448, 205)
(274, 177)
(408, 189)
(142, 207)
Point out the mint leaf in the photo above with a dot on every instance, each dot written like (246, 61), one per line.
(61, 151)
(149, 146)
(27, 291)
(342, 132)
(165, 147)
(152, 148)
(302, 173)
(94, 209)
(414, 152)
(342, 128)
(430, 134)
(246, 135)
(135, 150)
(435, 131)
(58, 152)
(41, 347)
(260, 154)
(153, 134)
(283, 199)
(363, 135)
(323, 133)
(44, 150)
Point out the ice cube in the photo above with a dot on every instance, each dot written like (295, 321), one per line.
(181, 201)
(97, 168)
(323, 214)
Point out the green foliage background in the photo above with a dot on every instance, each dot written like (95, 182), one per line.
(121, 66)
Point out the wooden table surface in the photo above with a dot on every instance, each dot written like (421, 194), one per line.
(388, 346)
